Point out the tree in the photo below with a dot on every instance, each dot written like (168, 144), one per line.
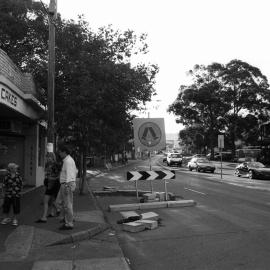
(23, 31)
(193, 137)
(96, 87)
(220, 98)
(248, 129)
(200, 103)
(100, 87)
(245, 90)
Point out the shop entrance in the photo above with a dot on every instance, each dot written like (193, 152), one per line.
(12, 150)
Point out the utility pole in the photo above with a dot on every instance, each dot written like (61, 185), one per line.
(51, 75)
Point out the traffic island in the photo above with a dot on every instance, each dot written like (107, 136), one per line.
(112, 191)
(151, 205)
(145, 199)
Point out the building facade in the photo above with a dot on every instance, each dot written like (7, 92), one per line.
(22, 135)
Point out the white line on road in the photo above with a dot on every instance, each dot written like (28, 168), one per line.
(195, 191)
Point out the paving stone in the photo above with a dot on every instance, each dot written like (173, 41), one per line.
(149, 196)
(149, 224)
(150, 215)
(123, 207)
(181, 203)
(134, 227)
(128, 214)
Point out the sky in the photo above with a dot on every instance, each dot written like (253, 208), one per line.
(181, 34)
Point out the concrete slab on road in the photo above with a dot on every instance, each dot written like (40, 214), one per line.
(151, 205)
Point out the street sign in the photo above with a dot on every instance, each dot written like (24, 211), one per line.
(149, 133)
(150, 175)
(220, 141)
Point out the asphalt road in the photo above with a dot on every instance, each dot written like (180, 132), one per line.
(227, 229)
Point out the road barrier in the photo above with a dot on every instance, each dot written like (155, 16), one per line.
(149, 176)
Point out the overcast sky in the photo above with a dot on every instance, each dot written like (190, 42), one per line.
(182, 33)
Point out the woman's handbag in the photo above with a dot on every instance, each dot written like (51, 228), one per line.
(45, 182)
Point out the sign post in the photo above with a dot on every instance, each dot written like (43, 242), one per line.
(165, 189)
(149, 135)
(150, 176)
(220, 146)
(150, 167)
(137, 193)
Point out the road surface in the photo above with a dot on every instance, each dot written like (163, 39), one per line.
(227, 229)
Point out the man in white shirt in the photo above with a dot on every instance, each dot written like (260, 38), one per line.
(68, 185)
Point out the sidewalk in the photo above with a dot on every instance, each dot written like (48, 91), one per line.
(43, 243)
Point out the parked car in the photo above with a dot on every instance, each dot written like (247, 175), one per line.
(174, 158)
(253, 169)
(201, 164)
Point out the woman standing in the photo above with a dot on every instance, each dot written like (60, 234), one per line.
(52, 185)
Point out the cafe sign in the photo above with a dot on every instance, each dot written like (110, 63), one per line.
(8, 97)
(12, 100)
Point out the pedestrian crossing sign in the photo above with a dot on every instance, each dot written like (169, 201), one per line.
(149, 133)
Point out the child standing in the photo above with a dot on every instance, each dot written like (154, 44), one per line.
(12, 186)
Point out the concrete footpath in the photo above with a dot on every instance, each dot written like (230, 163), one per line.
(92, 244)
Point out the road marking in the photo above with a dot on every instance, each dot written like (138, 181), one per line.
(195, 191)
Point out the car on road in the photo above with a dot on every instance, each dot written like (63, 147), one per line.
(174, 159)
(201, 165)
(253, 169)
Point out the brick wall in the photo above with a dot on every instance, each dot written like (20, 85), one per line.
(24, 81)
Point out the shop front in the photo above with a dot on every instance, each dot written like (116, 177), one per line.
(22, 134)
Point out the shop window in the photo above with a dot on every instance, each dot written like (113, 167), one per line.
(5, 125)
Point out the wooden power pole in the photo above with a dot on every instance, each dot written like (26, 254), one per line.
(51, 75)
